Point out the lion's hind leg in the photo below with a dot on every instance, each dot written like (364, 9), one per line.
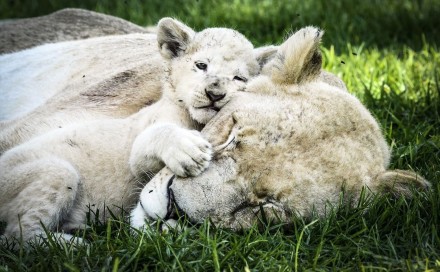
(35, 193)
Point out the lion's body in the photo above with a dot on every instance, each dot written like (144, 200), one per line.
(96, 157)
(87, 121)
(294, 147)
(77, 81)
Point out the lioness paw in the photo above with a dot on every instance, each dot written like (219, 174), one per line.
(187, 153)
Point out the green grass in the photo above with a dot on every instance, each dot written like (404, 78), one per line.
(387, 53)
(374, 22)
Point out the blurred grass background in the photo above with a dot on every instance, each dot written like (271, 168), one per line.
(387, 52)
(373, 23)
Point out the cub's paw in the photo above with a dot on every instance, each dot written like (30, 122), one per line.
(186, 153)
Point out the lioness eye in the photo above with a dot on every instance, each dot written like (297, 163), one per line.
(202, 66)
(240, 78)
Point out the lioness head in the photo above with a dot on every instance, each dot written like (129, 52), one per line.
(289, 145)
(207, 67)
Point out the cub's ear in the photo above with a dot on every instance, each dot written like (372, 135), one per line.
(299, 58)
(265, 53)
(173, 37)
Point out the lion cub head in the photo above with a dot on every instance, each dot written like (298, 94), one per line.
(207, 67)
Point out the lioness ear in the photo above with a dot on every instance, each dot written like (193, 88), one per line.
(299, 58)
(173, 37)
(265, 53)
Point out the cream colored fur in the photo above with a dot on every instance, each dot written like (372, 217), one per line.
(52, 178)
(30, 77)
(56, 85)
(112, 76)
(290, 145)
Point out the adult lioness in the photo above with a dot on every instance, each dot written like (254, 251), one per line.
(290, 144)
(52, 179)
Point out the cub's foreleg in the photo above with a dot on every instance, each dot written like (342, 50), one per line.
(35, 191)
(184, 151)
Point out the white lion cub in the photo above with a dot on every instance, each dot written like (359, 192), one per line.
(53, 178)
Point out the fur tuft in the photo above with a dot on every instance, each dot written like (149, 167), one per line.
(299, 58)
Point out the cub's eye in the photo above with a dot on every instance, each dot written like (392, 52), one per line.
(201, 66)
(240, 78)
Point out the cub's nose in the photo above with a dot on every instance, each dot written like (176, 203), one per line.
(214, 97)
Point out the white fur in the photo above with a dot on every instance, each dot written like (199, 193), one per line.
(16, 98)
(30, 77)
(53, 177)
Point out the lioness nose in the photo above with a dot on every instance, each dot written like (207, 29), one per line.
(214, 97)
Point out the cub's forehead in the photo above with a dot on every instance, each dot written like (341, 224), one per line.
(225, 44)
(222, 36)
(224, 39)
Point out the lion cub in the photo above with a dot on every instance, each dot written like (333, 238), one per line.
(53, 178)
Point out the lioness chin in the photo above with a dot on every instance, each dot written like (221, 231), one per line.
(53, 178)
